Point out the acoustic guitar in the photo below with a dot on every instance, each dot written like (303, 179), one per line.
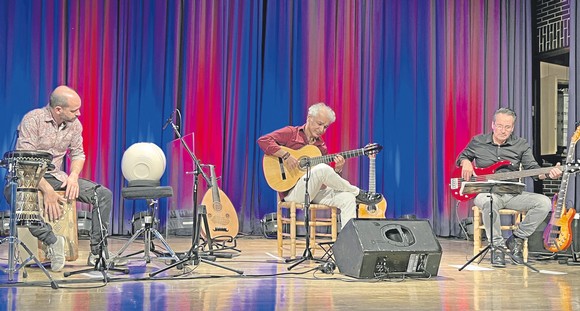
(558, 233)
(222, 218)
(377, 210)
(281, 178)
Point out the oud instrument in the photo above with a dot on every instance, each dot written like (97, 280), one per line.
(222, 218)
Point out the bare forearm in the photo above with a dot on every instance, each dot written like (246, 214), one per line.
(76, 167)
(44, 186)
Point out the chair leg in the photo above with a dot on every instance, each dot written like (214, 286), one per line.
(476, 230)
(526, 250)
(333, 226)
(312, 223)
(520, 219)
(279, 236)
(292, 230)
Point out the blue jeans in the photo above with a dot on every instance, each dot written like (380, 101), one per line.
(537, 206)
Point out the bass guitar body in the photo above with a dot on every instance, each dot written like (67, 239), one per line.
(558, 233)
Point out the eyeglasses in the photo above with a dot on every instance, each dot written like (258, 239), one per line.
(503, 127)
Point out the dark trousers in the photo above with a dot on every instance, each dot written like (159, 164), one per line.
(87, 191)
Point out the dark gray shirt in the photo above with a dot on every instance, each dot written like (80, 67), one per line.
(485, 152)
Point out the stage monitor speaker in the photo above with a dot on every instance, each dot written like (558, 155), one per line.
(378, 248)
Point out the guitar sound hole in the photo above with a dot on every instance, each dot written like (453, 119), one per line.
(303, 163)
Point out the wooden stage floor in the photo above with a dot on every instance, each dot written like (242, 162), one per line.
(267, 285)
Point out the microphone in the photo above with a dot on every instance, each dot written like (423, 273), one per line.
(169, 120)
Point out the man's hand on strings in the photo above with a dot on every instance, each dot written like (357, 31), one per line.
(339, 163)
(466, 170)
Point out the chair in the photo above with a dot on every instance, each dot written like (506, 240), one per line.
(151, 191)
(286, 217)
(478, 228)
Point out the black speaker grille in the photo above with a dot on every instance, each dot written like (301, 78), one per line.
(370, 248)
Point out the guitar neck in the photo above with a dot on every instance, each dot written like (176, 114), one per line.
(215, 190)
(330, 157)
(372, 179)
(518, 174)
(564, 184)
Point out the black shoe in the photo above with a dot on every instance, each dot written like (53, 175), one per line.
(516, 246)
(368, 198)
(498, 259)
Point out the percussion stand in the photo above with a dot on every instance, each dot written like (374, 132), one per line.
(490, 188)
(307, 255)
(12, 239)
(102, 263)
(194, 255)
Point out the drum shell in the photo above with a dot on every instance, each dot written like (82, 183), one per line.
(28, 167)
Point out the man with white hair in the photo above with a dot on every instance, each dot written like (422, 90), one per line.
(325, 185)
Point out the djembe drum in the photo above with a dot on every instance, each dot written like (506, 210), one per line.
(28, 167)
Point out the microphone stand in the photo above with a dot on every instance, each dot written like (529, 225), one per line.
(491, 246)
(102, 263)
(307, 255)
(194, 254)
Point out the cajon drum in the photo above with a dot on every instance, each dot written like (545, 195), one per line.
(65, 226)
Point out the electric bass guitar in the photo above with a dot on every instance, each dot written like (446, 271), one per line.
(485, 174)
(281, 178)
(377, 210)
(558, 233)
(222, 219)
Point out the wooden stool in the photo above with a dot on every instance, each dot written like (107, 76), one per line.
(314, 222)
(478, 228)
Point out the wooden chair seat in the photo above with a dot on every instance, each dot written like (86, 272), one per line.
(286, 217)
(479, 229)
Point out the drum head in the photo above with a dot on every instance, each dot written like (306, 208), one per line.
(28, 154)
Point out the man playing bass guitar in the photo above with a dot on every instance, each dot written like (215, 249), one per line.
(325, 186)
(499, 145)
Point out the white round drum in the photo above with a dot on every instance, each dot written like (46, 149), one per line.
(143, 161)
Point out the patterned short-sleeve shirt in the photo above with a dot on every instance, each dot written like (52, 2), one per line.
(38, 131)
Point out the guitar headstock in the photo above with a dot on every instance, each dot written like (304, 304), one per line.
(372, 149)
(573, 167)
(576, 135)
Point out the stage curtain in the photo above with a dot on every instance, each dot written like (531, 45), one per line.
(418, 77)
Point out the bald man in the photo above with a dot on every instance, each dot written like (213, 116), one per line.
(57, 130)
